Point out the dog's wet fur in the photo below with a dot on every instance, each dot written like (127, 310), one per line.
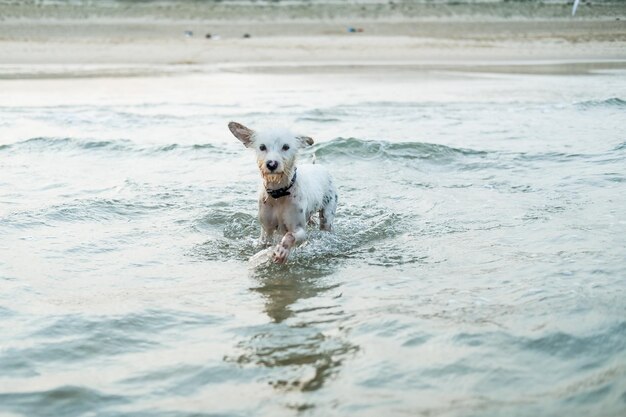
(312, 191)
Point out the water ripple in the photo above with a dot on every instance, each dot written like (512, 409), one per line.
(116, 147)
(61, 401)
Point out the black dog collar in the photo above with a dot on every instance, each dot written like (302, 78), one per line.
(281, 192)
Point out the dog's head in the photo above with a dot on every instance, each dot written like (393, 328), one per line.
(276, 150)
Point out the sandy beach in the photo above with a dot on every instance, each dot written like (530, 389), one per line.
(70, 41)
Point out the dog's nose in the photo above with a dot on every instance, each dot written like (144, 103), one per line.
(271, 165)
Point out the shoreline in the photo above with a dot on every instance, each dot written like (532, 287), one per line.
(76, 71)
(283, 54)
(136, 41)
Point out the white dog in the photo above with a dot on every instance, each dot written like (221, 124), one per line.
(290, 195)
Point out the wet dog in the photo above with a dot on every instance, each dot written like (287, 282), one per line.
(291, 194)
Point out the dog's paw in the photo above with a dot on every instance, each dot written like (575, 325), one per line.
(281, 254)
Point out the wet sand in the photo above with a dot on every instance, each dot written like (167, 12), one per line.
(140, 40)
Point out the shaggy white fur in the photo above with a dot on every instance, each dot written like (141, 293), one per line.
(290, 195)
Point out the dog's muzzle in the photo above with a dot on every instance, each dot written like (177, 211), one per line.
(282, 192)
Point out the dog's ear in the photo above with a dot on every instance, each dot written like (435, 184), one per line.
(305, 140)
(242, 133)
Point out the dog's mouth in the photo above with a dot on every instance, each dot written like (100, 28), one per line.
(273, 177)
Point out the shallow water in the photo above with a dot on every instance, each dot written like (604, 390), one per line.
(477, 266)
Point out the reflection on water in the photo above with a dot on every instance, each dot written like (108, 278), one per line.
(283, 287)
(305, 340)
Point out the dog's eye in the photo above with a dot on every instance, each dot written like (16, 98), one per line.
(285, 147)
(262, 147)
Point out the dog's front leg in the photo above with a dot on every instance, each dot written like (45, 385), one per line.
(266, 237)
(267, 218)
(288, 242)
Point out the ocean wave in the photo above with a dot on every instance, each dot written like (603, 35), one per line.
(620, 147)
(147, 321)
(73, 338)
(102, 209)
(86, 210)
(594, 347)
(549, 156)
(609, 102)
(353, 148)
(380, 149)
(60, 401)
(56, 144)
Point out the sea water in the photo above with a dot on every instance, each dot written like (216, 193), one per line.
(477, 267)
